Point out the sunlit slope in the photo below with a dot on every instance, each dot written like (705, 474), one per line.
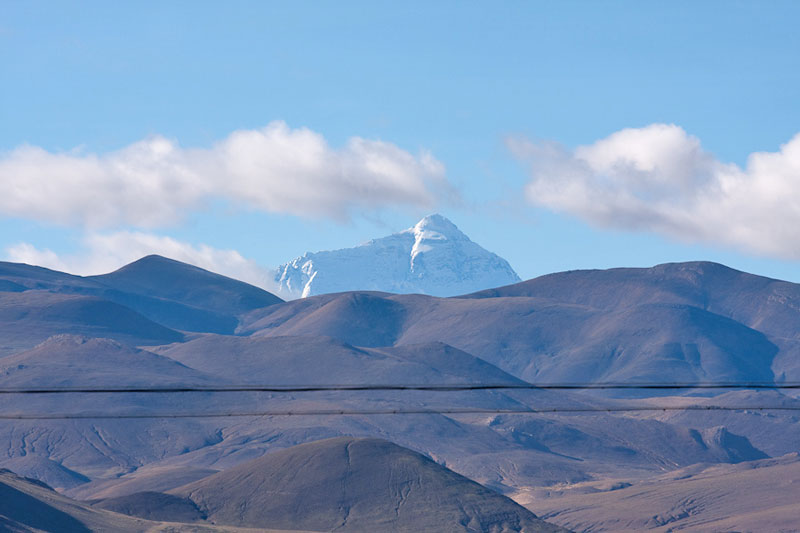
(351, 484)
(28, 506)
(755, 496)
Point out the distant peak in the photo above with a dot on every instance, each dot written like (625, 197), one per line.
(437, 223)
(154, 259)
(157, 263)
(148, 262)
(432, 257)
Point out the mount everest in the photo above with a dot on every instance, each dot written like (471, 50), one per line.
(433, 257)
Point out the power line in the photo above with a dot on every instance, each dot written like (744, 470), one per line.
(455, 387)
(455, 411)
(401, 387)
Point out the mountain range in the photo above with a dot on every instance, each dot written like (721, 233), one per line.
(122, 458)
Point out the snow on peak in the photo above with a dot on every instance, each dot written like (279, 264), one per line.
(431, 229)
(432, 257)
(438, 224)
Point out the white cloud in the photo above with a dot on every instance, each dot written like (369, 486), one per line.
(24, 252)
(659, 178)
(153, 182)
(106, 252)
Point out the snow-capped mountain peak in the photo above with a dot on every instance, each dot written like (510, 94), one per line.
(432, 257)
(433, 228)
(437, 227)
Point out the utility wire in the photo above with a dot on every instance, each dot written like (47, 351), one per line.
(340, 412)
(403, 387)
(456, 387)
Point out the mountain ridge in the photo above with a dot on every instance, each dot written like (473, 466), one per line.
(176, 295)
(349, 484)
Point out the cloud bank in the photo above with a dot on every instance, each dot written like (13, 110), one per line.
(277, 169)
(659, 178)
(105, 252)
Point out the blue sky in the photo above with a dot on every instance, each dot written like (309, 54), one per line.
(459, 83)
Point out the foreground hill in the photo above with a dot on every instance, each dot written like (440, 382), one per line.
(28, 506)
(340, 484)
(348, 484)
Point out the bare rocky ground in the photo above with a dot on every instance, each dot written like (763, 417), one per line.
(754, 496)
